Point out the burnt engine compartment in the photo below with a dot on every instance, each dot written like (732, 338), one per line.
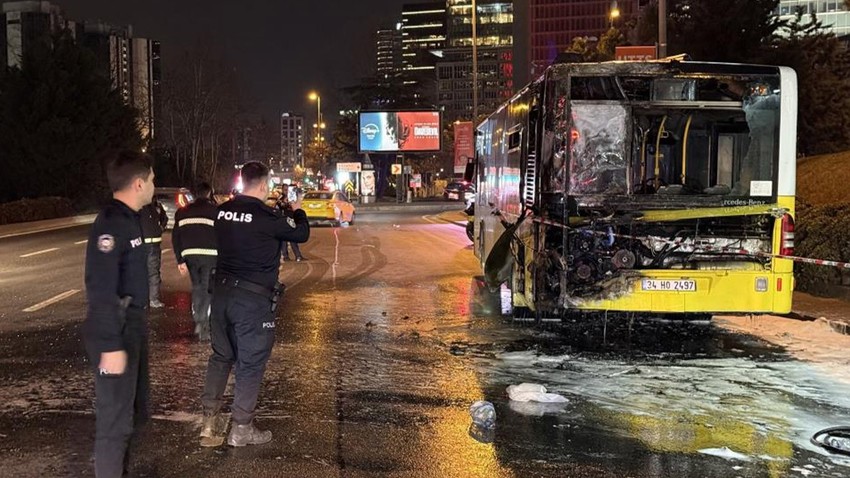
(598, 259)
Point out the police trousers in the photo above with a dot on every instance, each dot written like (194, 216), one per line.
(121, 401)
(200, 268)
(242, 335)
(154, 263)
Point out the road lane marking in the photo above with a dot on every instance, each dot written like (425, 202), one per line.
(40, 252)
(81, 242)
(52, 300)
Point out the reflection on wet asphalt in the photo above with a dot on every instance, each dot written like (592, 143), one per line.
(384, 341)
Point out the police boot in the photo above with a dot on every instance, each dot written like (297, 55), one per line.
(241, 435)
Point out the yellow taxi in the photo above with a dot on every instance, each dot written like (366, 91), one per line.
(331, 206)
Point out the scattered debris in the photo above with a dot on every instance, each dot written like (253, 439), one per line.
(724, 452)
(532, 392)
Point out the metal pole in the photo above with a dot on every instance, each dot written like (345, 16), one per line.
(474, 62)
(318, 118)
(662, 28)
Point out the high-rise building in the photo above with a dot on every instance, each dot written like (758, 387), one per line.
(833, 14)
(494, 35)
(291, 140)
(133, 65)
(553, 24)
(145, 82)
(423, 38)
(388, 59)
(27, 22)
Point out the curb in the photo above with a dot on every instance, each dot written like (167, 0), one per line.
(842, 328)
(409, 207)
(836, 326)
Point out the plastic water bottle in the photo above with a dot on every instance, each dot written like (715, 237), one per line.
(483, 414)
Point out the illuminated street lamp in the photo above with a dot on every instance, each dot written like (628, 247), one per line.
(615, 12)
(318, 99)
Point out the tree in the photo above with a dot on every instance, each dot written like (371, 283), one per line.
(822, 63)
(590, 49)
(60, 121)
(713, 30)
(203, 115)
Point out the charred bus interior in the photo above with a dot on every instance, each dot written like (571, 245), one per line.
(664, 169)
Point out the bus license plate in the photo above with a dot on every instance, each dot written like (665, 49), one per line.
(669, 285)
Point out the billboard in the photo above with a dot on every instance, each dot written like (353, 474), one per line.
(464, 145)
(399, 131)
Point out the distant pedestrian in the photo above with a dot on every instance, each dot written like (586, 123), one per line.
(244, 306)
(284, 205)
(154, 221)
(193, 238)
(115, 330)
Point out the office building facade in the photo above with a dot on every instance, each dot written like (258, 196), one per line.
(291, 140)
(495, 40)
(833, 14)
(25, 23)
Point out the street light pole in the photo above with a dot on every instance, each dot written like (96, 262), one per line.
(474, 62)
(662, 28)
(315, 96)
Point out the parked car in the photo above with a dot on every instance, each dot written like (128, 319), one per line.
(331, 206)
(459, 191)
(173, 199)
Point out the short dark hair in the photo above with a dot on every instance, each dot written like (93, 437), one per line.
(125, 167)
(254, 172)
(203, 190)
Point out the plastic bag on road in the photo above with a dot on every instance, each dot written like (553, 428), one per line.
(532, 392)
(483, 414)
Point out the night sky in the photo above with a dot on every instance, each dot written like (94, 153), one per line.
(284, 48)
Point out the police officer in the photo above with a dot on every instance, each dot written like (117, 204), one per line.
(115, 332)
(245, 295)
(154, 220)
(194, 244)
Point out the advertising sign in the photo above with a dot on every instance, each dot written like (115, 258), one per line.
(464, 145)
(399, 131)
(348, 167)
(416, 181)
(367, 183)
(635, 53)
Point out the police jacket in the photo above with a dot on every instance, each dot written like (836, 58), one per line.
(154, 219)
(194, 233)
(249, 234)
(116, 268)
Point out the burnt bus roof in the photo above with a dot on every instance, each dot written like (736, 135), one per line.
(658, 67)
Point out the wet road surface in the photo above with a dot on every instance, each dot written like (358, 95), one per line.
(384, 341)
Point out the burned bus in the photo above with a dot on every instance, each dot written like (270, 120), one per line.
(661, 187)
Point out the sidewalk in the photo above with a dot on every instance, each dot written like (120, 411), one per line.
(24, 228)
(833, 312)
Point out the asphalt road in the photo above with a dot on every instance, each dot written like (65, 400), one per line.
(383, 342)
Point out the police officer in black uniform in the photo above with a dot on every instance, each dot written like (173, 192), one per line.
(245, 295)
(193, 238)
(115, 332)
(154, 221)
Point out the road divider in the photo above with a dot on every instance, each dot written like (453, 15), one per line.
(52, 300)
